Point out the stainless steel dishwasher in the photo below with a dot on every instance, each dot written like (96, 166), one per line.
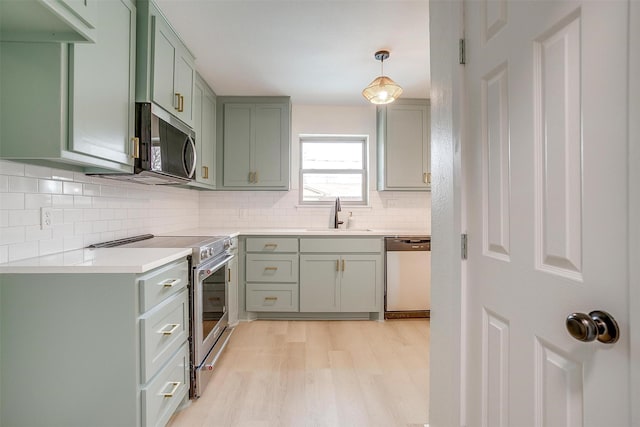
(408, 277)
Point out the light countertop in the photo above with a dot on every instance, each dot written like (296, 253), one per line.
(141, 260)
(318, 231)
(105, 260)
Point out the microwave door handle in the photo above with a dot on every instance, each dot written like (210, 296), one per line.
(189, 172)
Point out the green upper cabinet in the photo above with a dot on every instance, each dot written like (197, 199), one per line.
(404, 146)
(166, 70)
(49, 20)
(255, 134)
(72, 104)
(204, 112)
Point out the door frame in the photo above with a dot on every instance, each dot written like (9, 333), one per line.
(447, 342)
(634, 205)
(446, 346)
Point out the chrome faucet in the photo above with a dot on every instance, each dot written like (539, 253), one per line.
(336, 223)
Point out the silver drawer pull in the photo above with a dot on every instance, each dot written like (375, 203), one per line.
(169, 283)
(174, 388)
(271, 268)
(270, 298)
(165, 331)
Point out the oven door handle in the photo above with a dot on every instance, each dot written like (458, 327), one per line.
(211, 268)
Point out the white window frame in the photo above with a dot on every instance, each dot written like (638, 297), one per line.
(364, 140)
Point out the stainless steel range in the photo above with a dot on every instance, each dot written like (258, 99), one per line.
(208, 296)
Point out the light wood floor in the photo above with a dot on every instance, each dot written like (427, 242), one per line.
(318, 373)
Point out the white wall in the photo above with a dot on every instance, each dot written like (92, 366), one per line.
(256, 209)
(86, 210)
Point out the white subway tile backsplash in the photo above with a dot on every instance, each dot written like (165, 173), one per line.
(82, 201)
(62, 175)
(72, 215)
(90, 189)
(61, 201)
(9, 235)
(23, 250)
(11, 168)
(36, 201)
(12, 201)
(73, 243)
(34, 233)
(49, 186)
(51, 246)
(91, 209)
(24, 217)
(37, 171)
(73, 188)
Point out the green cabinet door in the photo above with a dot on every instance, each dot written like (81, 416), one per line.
(254, 142)
(185, 75)
(361, 282)
(103, 114)
(208, 150)
(49, 20)
(87, 11)
(164, 59)
(404, 146)
(81, 97)
(173, 72)
(319, 283)
(239, 131)
(271, 148)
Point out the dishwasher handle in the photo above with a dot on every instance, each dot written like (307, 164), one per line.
(407, 244)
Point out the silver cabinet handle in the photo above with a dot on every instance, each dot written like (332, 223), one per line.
(174, 387)
(598, 325)
(172, 326)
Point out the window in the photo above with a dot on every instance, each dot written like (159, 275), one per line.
(333, 166)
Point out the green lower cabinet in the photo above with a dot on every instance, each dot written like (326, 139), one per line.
(98, 350)
(340, 283)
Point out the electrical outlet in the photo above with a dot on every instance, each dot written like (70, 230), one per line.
(46, 218)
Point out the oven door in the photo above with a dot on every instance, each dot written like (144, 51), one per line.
(210, 299)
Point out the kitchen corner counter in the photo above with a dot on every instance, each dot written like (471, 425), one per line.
(106, 260)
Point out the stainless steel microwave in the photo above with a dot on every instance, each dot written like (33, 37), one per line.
(166, 152)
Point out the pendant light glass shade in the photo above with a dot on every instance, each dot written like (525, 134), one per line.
(382, 90)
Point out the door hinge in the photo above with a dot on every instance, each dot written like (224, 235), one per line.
(461, 52)
(463, 246)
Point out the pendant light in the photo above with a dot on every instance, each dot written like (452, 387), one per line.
(382, 90)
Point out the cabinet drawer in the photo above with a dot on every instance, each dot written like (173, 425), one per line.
(161, 397)
(162, 332)
(341, 245)
(270, 244)
(160, 284)
(272, 297)
(272, 268)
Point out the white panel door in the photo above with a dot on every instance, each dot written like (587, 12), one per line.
(545, 164)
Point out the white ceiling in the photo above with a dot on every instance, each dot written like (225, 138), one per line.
(316, 51)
